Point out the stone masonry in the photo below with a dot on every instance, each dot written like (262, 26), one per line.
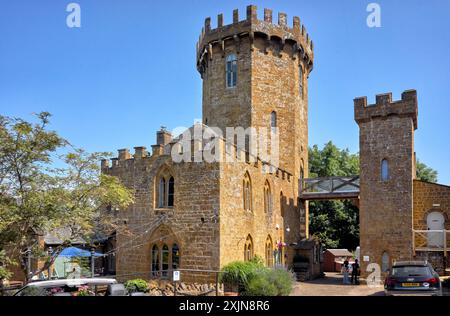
(208, 221)
(386, 206)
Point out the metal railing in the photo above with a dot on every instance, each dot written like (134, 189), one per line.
(431, 240)
(329, 187)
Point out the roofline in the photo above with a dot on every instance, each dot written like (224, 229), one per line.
(427, 182)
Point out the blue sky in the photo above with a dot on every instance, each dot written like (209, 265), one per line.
(131, 66)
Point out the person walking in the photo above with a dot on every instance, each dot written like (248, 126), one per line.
(345, 271)
(355, 272)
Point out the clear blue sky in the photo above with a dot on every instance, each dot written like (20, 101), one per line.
(131, 67)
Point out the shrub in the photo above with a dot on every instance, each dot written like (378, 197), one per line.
(260, 285)
(273, 282)
(236, 275)
(283, 281)
(137, 285)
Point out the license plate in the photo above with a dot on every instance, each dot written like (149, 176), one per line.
(410, 284)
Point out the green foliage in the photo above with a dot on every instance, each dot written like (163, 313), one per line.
(251, 278)
(5, 262)
(335, 223)
(260, 285)
(425, 173)
(270, 282)
(237, 274)
(137, 285)
(36, 197)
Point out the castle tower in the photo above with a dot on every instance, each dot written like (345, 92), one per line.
(387, 167)
(255, 74)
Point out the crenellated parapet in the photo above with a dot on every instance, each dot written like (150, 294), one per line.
(294, 35)
(384, 107)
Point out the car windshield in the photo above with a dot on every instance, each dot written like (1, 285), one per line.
(411, 271)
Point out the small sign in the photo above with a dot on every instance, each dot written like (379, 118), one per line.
(176, 276)
(366, 258)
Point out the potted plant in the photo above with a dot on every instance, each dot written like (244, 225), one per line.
(137, 286)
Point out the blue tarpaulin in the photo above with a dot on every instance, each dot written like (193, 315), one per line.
(77, 252)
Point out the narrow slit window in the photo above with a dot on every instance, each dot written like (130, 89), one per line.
(300, 80)
(273, 120)
(231, 71)
(384, 170)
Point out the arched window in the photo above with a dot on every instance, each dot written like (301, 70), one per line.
(248, 249)
(175, 256)
(269, 252)
(155, 260)
(384, 170)
(162, 192)
(273, 120)
(170, 192)
(165, 259)
(267, 198)
(247, 194)
(385, 262)
(300, 81)
(231, 71)
(165, 189)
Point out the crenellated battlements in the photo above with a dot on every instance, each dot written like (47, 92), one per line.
(251, 27)
(126, 160)
(384, 106)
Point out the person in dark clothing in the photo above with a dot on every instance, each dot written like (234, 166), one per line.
(355, 272)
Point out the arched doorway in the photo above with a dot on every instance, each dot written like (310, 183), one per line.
(435, 221)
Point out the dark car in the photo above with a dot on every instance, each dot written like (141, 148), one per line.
(412, 278)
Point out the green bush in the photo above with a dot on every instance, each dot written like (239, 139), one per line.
(273, 282)
(137, 285)
(260, 285)
(283, 281)
(237, 274)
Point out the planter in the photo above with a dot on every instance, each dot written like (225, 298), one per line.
(230, 293)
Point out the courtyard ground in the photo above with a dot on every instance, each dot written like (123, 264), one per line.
(331, 285)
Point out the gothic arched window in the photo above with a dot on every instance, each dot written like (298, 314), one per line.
(165, 189)
(248, 249)
(269, 252)
(231, 71)
(267, 198)
(155, 260)
(247, 193)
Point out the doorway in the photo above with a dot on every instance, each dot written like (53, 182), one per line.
(435, 221)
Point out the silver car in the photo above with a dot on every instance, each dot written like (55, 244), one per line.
(73, 287)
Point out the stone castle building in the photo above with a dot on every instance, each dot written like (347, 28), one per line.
(202, 215)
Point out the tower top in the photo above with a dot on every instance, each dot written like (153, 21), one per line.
(251, 27)
(384, 107)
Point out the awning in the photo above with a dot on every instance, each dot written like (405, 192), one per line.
(77, 252)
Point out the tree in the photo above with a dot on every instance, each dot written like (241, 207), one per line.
(37, 198)
(425, 173)
(336, 223)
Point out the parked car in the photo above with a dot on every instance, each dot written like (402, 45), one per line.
(413, 278)
(73, 287)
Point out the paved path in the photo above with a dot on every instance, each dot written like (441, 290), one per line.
(332, 285)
